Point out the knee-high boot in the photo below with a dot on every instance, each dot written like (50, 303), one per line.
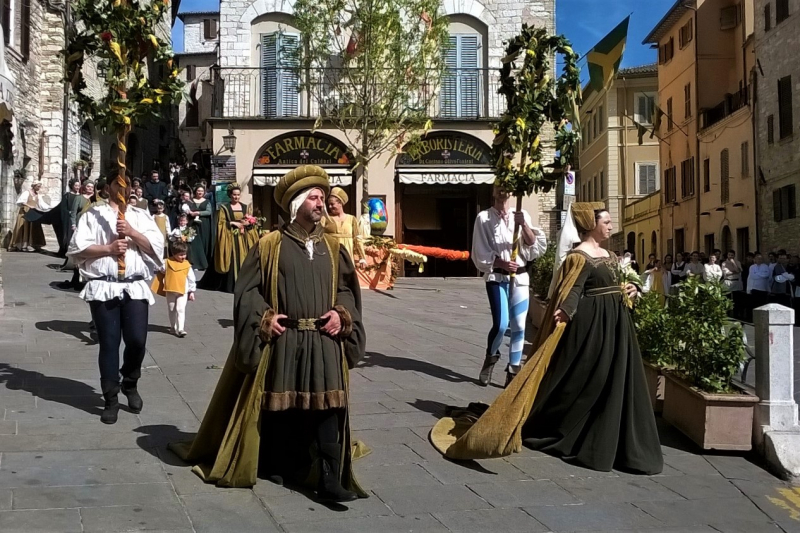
(111, 409)
(330, 452)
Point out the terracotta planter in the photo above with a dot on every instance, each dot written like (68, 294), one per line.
(713, 421)
(536, 311)
(655, 383)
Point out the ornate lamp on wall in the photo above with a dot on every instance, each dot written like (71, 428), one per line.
(229, 140)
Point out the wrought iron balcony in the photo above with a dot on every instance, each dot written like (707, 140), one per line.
(732, 103)
(280, 93)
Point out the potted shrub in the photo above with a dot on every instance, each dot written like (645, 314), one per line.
(700, 399)
(656, 340)
(541, 274)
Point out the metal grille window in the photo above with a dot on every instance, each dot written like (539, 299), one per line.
(461, 87)
(280, 83)
(724, 177)
(646, 177)
(785, 107)
(86, 143)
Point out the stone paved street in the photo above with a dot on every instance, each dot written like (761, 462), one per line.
(61, 470)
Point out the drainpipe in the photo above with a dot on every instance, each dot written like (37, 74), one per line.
(65, 111)
(697, 127)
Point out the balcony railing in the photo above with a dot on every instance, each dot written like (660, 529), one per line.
(244, 92)
(732, 103)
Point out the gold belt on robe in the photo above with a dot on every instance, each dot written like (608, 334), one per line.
(302, 324)
(603, 291)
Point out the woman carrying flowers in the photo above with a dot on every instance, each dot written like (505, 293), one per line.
(237, 232)
(582, 394)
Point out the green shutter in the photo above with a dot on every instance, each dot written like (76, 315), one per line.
(279, 81)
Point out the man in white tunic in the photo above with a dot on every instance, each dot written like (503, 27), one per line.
(492, 245)
(119, 303)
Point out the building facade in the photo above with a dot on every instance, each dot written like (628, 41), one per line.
(432, 194)
(32, 130)
(706, 59)
(777, 114)
(614, 168)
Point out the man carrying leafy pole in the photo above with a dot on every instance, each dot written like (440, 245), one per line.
(533, 98)
(117, 247)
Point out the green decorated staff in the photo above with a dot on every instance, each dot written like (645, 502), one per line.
(534, 99)
(121, 35)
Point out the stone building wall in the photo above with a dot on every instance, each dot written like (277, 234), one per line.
(779, 162)
(194, 40)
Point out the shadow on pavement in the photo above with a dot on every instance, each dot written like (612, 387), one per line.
(155, 438)
(76, 328)
(375, 359)
(225, 322)
(60, 390)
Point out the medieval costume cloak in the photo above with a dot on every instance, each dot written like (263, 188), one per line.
(582, 395)
(300, 373)
(347, 230)
(230, 250)
(201, 246)
(26, 233)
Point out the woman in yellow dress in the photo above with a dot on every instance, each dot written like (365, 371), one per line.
(235, 237)
(346, 228)
(27, 234)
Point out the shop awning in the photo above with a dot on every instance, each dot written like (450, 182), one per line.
(446, 176)
(269, 177)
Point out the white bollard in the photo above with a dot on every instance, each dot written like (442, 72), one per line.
(776, 433)
(775, 367)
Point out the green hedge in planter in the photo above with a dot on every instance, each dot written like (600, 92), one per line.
(709, 348)
(541, 272)
(656, 337)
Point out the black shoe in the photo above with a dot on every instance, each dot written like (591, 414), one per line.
(485, 376)
(111, 408)
(330, 488)
(134, 399)
(511, 372)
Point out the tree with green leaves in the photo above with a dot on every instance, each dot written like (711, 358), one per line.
(374, 68)
(533, 100)
(121, 35)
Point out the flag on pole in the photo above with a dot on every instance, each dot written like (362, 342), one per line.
(605, 57)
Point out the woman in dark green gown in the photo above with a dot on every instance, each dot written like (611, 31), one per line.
(593, 406)
(582, 394)
(200, 247)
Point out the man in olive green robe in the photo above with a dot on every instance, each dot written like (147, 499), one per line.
(298, 329)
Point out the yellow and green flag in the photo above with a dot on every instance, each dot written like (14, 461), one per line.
(605, 57)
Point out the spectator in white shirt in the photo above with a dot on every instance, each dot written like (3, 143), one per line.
(712, 271)
(732, 273)
(758, 282)
(695, 267)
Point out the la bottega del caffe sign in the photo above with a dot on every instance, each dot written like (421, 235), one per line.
(304, 148)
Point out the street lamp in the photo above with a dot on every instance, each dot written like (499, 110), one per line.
(229, 140)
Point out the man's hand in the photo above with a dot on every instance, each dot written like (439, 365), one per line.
(191, 296)
(561, 316)
(123, 228)
(275, 327)
(118, 247)
(519, 219)
(362, 264)
(333, 326)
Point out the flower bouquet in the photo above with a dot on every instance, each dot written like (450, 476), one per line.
(186, 234)
(624, 274)
(250, 219)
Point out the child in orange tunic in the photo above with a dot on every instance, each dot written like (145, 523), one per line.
(178, 284)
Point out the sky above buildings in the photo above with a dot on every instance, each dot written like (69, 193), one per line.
(584, 22)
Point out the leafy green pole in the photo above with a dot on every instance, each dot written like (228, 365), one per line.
(381, 63)
(121, 35)
(533, 99)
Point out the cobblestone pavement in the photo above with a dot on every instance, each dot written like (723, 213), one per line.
(61, 470)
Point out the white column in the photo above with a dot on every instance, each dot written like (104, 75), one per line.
(775, 368)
